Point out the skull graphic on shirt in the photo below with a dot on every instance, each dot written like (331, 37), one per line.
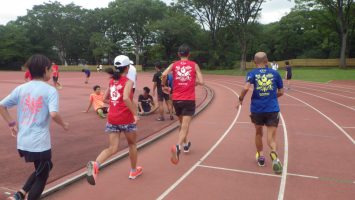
(115, 94)
(183, 73)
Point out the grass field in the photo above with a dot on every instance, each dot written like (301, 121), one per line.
(306, 74)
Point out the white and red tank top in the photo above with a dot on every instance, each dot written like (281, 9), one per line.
(184, 79)
(119, 113)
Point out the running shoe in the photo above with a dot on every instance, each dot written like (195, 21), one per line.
(18, 196)
(187, 147)
(135, 174)
(101, 113)
(92, 171)
(260, 159)
(175, 153)
(276, 163)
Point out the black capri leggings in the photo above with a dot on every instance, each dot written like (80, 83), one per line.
(38, 179)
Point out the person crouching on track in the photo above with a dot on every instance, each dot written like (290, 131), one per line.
(264, 108)
(122, 118)
(36, 102)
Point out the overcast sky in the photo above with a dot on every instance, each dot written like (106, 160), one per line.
(273, 10)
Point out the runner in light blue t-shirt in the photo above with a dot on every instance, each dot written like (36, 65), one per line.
(36, 103)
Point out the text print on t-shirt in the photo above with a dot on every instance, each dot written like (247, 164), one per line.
(264, 83)
(31, 106)
(183, 73)
(115, 95)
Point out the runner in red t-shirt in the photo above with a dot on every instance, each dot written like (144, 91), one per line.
(55, 75)
(28, 76)
(122, 118)
(186, 75)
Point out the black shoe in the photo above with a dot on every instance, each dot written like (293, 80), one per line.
(187, 147)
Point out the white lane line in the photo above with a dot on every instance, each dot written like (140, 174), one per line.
(285, 163)
(8, 189)
(239, 171)
(308, 88)
(184, 176)
(348, 127)
(325, 99)
(303, 176)
(326, 85)
(328, 118)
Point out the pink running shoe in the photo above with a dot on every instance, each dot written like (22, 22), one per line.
(92, 172)
(135, 174)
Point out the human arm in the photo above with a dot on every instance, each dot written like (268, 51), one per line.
(127, 100)
(58, 119)
(90, 104)
(9, 120)
(199, 80)
(280, 92)
(244, 92)
(107, 96)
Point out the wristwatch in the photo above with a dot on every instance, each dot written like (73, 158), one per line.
(12, 124)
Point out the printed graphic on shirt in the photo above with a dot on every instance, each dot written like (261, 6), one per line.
(31, 106)
(183, 72)
(115, 94)
(264, 83)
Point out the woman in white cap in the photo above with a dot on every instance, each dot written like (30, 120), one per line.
(122, 118)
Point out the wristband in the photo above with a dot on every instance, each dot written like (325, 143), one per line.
(12, 124)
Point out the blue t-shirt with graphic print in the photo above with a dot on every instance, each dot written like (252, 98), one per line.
(34, 100)
(266, 82)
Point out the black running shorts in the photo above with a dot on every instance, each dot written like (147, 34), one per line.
(184, 107)
(266, 119)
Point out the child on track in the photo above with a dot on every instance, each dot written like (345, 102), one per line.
(122, 118)
(264, 108)
(87, 75)
(36, 102)
(146, 102)
(97, 101)
(55, 74)
(186, 75)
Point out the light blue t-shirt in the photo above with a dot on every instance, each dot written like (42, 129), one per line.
(266, 82)
(34, 101)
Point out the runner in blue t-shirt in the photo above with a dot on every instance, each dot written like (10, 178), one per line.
(264, 108)
(87, 74)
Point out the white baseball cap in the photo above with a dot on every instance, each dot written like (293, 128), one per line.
(132, 63)
(121, 61)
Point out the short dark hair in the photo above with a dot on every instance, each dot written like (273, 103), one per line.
(146, 89)
(157, 64)
(184, 50)
(287, 62)
(37, 65)
(95, 87)
(82, 70)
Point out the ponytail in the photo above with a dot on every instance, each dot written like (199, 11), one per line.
(116, 73)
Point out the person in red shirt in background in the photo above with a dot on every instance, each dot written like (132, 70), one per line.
(97, 101)
(122, 118)
(186, 75)
(28, 76)
(55, 75)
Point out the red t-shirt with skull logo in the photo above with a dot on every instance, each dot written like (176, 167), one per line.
(184, 79)
(119, 113)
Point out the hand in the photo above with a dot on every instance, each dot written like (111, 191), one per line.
(14, 131)
(66, 126)
(136, 118)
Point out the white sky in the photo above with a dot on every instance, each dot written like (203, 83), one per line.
(273, 10)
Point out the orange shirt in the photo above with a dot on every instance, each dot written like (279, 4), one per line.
(97, 100)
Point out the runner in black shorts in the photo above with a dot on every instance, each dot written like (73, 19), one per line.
(264, 108)
(184, 108)
(157, 80)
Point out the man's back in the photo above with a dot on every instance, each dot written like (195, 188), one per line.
(266, 83)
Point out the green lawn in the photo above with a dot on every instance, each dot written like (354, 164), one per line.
(306, 74)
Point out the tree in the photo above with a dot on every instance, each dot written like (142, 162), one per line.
(133, 18)
(244, 13)
(340, 11)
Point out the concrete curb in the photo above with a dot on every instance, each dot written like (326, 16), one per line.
(142, 144)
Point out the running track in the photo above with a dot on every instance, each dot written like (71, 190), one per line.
(316, 143)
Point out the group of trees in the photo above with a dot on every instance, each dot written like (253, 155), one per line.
(221, 33)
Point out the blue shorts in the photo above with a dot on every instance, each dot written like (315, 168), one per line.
(127, 128)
